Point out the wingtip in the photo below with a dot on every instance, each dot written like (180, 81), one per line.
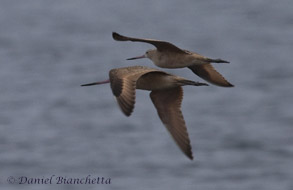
(222, 61)
(114, 34)
(128, 114)
(125, 112)
(189, 154)
(218, 61)
(118, 37)
(190, 157)
(229, 85)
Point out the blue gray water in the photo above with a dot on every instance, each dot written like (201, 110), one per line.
(242, 137)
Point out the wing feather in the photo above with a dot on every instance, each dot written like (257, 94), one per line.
(168, 105)
(123, 85)
(209, 73)
(160, 45)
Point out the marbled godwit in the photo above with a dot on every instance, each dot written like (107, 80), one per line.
(168, 55)
(166, 94)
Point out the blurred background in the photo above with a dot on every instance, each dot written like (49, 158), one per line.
(49, 125)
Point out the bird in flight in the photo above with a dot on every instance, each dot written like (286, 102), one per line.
(166, 95)
(167, 55)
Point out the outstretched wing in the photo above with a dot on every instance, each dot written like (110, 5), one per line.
(123, 85)
(168, 103)
(160, 45)
(208, 73)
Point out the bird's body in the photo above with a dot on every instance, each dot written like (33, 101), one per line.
(173, 60)
(167, 55)
(166, 95)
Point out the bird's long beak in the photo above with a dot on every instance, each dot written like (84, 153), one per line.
(97, 83)
(138, 57)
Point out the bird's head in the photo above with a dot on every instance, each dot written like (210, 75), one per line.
(151, 53)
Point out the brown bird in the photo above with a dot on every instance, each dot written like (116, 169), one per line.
(169, 56)
(166, 94)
